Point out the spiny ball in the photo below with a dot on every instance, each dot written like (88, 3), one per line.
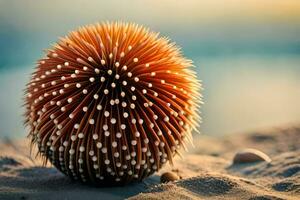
(112, 103)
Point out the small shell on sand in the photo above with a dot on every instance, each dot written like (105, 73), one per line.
(168, 177)
(250, 156)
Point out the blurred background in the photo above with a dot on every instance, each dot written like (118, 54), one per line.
(247, 53)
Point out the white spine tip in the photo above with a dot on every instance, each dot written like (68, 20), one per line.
(90, 59)
(91, 121)
(97, 71)
(99, 107)
(92, 79)
(96, 96)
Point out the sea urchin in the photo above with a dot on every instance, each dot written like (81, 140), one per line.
(111, 103)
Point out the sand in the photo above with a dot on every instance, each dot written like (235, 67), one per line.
(207, 172)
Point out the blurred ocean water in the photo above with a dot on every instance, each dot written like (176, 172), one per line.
(241, 93)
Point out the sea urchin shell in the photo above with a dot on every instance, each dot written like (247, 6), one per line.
(111, 103)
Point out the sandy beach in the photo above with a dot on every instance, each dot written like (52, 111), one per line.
(206, 171)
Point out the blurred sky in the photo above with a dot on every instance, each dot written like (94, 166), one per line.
(200, 27)
(246, 52)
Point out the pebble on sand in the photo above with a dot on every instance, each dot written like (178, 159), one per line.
(250, 156)
(168, 177)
